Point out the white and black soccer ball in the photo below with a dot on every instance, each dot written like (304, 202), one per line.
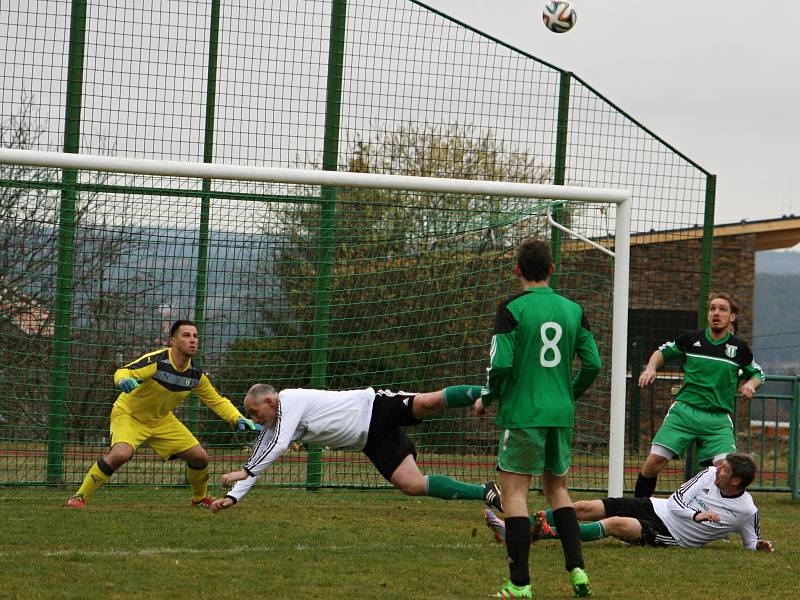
(559, 16)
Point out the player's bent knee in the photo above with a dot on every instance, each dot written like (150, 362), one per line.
(654, 465)
(428, 404)
(582, 508)
(612, 525)
(624, 528)
(197, 463)
(414, 489)
(119, 455)
(196, 457)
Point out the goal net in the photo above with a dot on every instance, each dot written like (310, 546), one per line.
(295, 278)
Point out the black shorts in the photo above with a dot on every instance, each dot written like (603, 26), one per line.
(654, 532)
(388, 445)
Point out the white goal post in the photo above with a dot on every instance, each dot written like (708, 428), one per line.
(621, 252)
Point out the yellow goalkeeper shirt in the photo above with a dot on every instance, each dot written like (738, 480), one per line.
(164, 387)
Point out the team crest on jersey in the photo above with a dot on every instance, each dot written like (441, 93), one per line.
(730, 351)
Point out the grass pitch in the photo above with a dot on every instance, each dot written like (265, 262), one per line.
(131, 543)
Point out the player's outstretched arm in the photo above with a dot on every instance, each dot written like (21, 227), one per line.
(222, 504)
(129, 384)
(243, 423)
(230, 478)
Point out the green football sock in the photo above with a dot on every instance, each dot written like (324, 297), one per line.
(592, 531)
(457, 396)
(447, 488)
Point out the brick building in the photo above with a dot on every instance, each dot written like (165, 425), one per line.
(658, 310)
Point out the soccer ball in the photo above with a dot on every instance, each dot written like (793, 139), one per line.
(559, 16)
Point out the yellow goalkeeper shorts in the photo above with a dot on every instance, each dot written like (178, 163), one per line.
(168, 437)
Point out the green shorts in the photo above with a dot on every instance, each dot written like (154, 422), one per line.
(532, 450)
(685, 423)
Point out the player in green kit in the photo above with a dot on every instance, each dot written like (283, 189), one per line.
(715, 362)
(537, 335)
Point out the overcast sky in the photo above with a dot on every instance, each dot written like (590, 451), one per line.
(718, 79)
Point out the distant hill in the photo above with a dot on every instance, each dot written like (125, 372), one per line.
(169, 256)
(776, 327)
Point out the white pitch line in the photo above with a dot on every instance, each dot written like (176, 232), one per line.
(241, 549)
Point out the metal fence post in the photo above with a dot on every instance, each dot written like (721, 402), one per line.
(66, 248)
(201, 282)
(327, 221)
(560, 168)
(794, 443)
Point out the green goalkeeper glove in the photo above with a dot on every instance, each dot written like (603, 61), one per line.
(129, 384)
(243, 424)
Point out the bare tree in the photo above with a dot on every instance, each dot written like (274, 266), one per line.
(107, 287)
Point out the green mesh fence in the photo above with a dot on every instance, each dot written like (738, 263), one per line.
(383, 86)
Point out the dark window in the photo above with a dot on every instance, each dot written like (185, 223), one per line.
(649, 328)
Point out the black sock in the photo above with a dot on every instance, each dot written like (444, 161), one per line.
(645, 486)
(566, 522)
(518, 544)
(104, 467)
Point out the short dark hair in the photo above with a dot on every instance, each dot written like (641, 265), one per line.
(534, 259)
(728, 298)
(178, 324)
(742, 466)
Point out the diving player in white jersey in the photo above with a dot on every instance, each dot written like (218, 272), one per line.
(365, 419)
(708, 507)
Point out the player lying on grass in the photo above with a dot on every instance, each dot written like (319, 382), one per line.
(708, 507)
(151, 387)
(365, 419)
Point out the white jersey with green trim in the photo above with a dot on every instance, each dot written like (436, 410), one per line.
(737, 514)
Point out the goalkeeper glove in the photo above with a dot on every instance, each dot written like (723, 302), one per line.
(243, 424)
(129, 384)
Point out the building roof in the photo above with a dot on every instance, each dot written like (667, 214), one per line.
(26, 314)
(771, 234)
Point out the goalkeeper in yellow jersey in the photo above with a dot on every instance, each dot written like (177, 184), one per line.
(152, 386)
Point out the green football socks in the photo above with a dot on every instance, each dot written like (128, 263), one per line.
(592, 531)
(457, 396)
(589, 531)
(447, 488)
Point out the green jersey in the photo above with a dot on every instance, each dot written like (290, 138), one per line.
(712, 368)
(537, 335)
